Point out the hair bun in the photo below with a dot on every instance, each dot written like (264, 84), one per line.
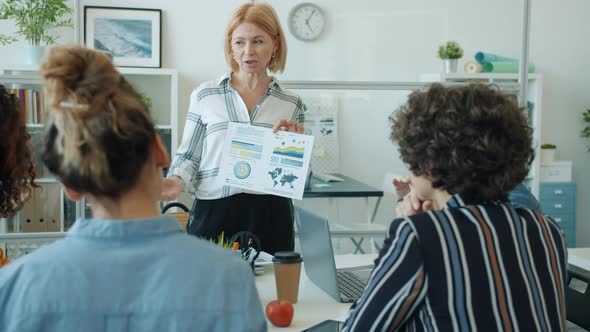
(78, 75)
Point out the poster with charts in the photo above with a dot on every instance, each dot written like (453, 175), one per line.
(321, 121)
(256, 159)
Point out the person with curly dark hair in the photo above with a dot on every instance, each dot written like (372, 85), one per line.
(17, 169)
(474, 261)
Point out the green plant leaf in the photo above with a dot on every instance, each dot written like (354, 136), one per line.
(450, 50)
(36, 19)
(5, 40)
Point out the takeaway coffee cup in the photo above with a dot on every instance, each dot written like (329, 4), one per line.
(287, 266)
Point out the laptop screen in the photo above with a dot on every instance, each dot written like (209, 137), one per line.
(317, 251)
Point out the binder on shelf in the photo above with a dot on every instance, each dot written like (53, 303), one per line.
(31, 102)
(42, 212)
(48, 207)
(52, 207)
(29, 216)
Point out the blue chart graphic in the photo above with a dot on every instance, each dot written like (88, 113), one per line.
(242, 170)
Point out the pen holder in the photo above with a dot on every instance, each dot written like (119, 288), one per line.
(246, 241)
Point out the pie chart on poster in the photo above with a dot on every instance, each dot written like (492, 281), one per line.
(242, 170)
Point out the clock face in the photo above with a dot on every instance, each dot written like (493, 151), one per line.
(306, 21)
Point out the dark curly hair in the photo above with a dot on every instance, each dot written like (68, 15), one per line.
(17, 171)
(471, 140)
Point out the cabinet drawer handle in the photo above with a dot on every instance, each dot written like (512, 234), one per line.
(558, 206)
(558, 220)
(558, 192)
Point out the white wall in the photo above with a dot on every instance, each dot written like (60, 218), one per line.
(395, 41)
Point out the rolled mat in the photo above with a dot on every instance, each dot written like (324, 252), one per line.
(504, 67)
(482, 57)
(472, 67)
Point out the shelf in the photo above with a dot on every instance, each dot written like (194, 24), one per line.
(507, 81)
(41, 125)
(31, 236)
(33, 69)
(489, 76)
(21, 68)
(147, 71)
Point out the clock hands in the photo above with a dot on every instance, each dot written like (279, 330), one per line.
(307, 20)
(309, 17)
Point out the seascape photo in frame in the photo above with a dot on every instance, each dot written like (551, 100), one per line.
(131, 36)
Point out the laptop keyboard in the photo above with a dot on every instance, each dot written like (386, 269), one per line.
(350, 285)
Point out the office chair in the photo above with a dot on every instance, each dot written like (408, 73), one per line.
(181, 217)
(577, 299)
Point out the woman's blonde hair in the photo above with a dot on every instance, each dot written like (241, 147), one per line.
(99, 133)
(263, 16)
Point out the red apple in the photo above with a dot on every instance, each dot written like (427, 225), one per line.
(280, 313)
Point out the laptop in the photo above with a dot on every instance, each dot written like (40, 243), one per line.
(344, 285)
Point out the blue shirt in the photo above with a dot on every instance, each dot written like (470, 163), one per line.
(137, 275)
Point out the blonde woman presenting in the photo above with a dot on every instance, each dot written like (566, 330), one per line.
(254, 45)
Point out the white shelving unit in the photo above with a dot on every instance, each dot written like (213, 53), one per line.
(161, 85)
(509, 82)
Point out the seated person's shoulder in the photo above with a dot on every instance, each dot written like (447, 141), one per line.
(408, 224)
(414, 219)
(25, 269)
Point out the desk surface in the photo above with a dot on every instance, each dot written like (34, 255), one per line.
(313, 305)
(347, 188)
(579, 257)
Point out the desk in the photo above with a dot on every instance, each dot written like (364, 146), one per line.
(313, 305)
(577, 294)
(579, 257)
(349, 188)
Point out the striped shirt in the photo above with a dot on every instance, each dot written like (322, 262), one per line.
(212, 106)
(467, 267)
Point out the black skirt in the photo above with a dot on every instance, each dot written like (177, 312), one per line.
(269, 217)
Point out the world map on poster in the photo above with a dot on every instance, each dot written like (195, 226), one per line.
(279, 176)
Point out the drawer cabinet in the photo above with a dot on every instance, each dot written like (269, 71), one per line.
(558, 200)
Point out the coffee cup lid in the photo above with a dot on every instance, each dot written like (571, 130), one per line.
(287, 257)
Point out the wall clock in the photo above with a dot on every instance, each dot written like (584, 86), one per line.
(306, 21)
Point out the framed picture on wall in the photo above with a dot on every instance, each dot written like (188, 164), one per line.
(131, 36)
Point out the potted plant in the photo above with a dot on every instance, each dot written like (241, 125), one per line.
(548, 153)
(586, 130)
(35, 19)
(450, 53)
